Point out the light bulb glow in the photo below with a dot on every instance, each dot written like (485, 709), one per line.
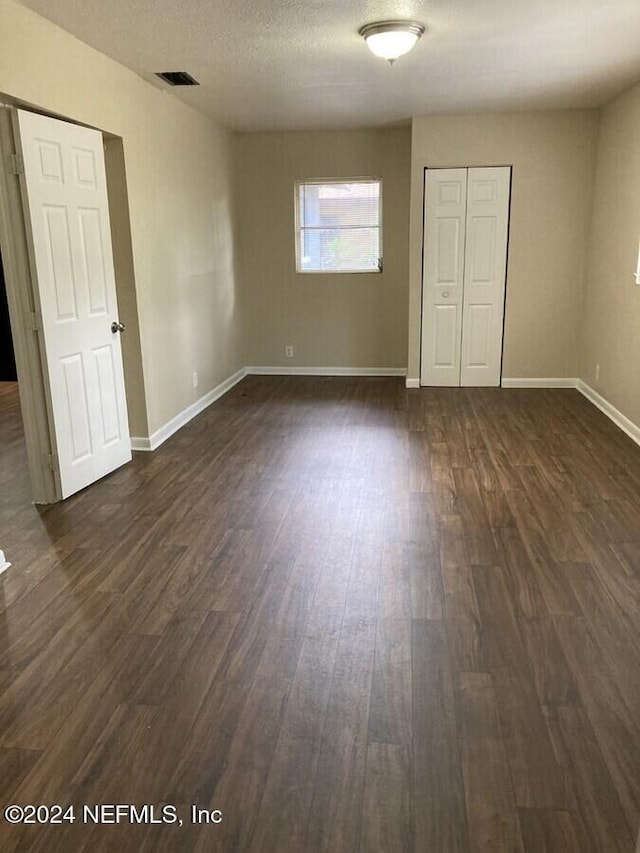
(391, 45)
(391, 39)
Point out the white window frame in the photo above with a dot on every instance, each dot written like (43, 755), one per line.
(299, 227)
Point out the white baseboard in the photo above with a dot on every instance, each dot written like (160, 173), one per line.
(141, 443)
(4, 564)
(325, 371)
(544, 382)
(161, 435)
(615, 415)
(520, 383)
(166, 431)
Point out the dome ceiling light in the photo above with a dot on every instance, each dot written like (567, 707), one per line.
(391, 39)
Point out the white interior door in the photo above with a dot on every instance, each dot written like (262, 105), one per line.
(443, 275)
(485, 270)
(65, 199)
(466, 218)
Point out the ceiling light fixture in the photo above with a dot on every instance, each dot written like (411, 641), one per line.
(391, 39)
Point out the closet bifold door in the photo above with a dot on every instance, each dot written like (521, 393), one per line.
(443, 275)
(487, 224)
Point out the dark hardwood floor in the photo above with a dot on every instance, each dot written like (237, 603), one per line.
(349, 616)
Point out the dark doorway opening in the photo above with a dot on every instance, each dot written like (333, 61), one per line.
(7, 358)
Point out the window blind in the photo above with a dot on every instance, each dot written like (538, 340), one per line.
(339, 226)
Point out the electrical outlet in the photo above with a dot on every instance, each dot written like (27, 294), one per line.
(194, 378)
(597, 372)
(288, 351)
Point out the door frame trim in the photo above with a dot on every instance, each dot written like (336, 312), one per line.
(45, 485)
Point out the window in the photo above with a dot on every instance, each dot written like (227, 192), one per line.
(339, 226)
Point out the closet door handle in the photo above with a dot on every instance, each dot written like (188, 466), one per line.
(445, 294)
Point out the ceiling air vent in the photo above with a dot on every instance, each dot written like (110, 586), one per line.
(177, 78)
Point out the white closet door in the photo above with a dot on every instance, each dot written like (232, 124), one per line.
(64, 190)
(443, 275)
(484, 275)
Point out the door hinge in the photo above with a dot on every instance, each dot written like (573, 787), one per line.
(51, 461)
(17, 164)
(34, 321)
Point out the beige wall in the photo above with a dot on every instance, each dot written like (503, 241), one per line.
(179, 170)
(180, 269)
(553, 158)
(612, 304)
(120, 220)
(332, 320)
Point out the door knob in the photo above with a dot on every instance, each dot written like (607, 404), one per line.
(117, 327)
(445, 295)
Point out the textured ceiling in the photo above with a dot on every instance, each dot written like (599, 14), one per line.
(300, 64)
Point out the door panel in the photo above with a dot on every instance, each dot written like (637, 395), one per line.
(478, 328)
(92, 261)
(75, 400)
(59, 265)
(85, 172)
(108, 395)
(485, 275)
(442, 276)
(446, 248)
(481, 233)
(445, 326)
(65, 199)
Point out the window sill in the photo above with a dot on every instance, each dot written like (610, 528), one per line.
(339, 272)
